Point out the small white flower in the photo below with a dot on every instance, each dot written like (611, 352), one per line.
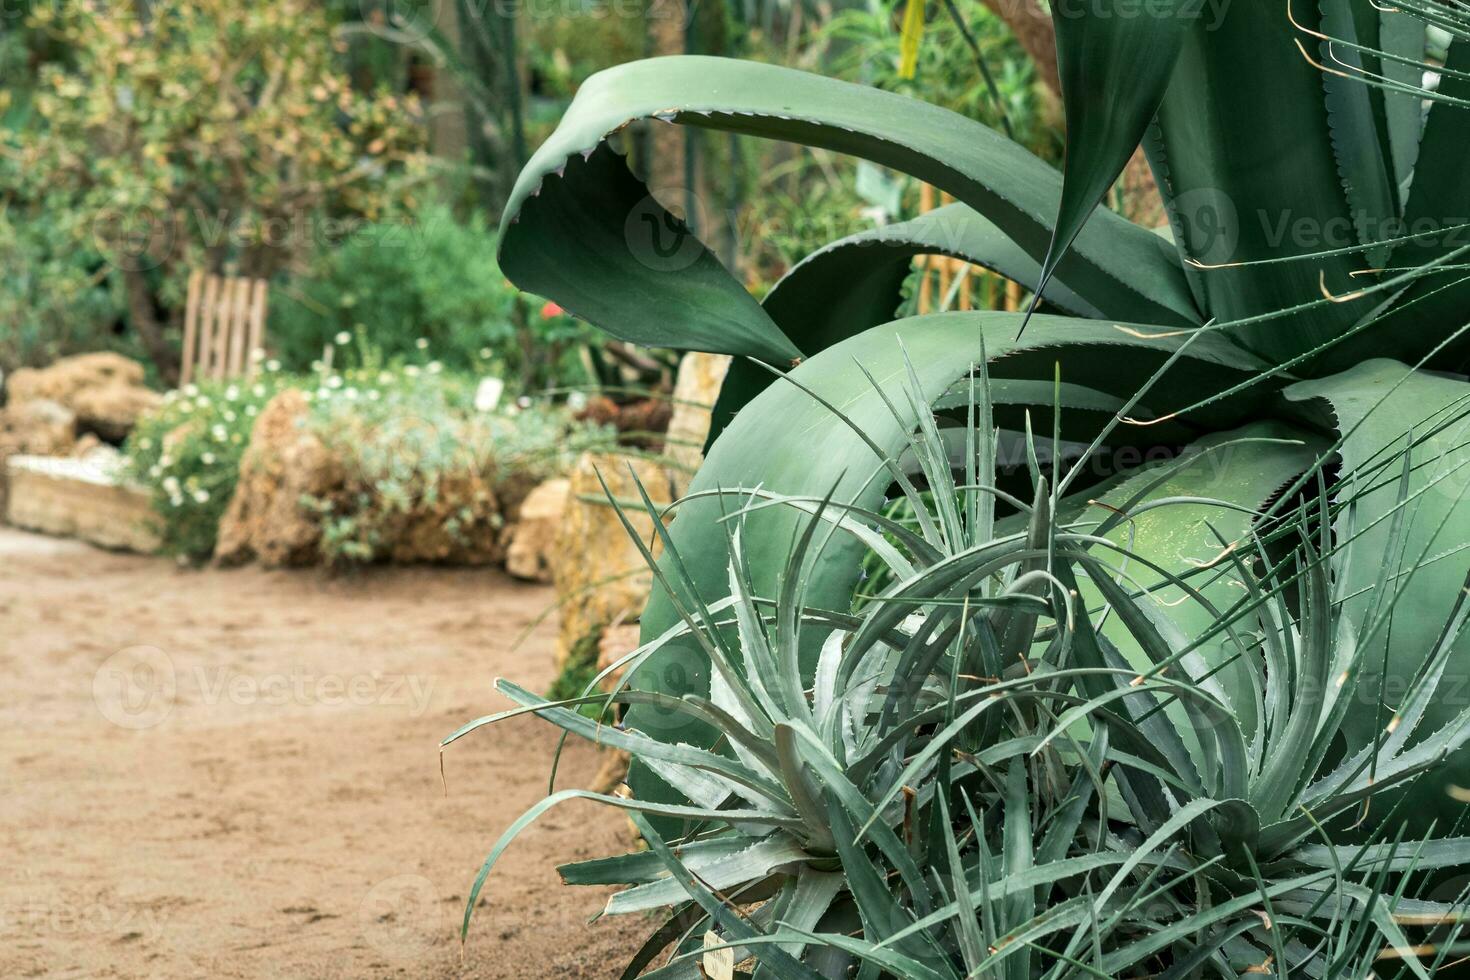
(155, 471)
(166, 461)
(190, 391)
(350, 394)
(335, 381)
(411, 371)
(258, 391)
(203, 401)
(257, 354)
(176, 501)
(343, 338)
(207, 459)
(230, 416)
(323, 394)
(219, 432)
(171, 486)
(250, 411)
(273, 365)
(486, 353)
(145, 443)
(232, 393)
(374, 395)
(385, 377)
(201, 496)
(422, 343)
(435, 367)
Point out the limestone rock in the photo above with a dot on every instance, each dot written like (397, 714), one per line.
(264, 519)
(81, 498)
(700, 378)
(40, 428)
(111, 411)
(616, 642)
(461, 526)
(601, 577)
(533, 537)
(286, 463)
(105, 390)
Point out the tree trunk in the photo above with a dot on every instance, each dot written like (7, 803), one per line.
(144, 318)
(667, 173)
(1033, 30)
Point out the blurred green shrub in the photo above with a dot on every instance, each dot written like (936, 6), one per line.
(394, 289)
(415, 453)
(209, 134)
(54, 299)
(420, 459)
(188, 454)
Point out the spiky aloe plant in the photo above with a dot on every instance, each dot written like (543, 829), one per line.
(1297, 336)
(975, 781)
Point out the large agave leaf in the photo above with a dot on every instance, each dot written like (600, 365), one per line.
(1357, 116)
(584, 233)
(1114, 58)
(788, 442)
(1403, 37)
(855, 283)
(1406, 540)
(1183, 517)
(1439, 202)
(1243, 153)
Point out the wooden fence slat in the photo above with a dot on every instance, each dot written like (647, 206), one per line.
(239, 326)
(257, 325)
(219, 357)
(206, 326)
(224, 323)
(191, 327)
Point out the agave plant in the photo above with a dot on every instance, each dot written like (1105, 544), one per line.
(1297, 332)
(976, 781)
(1258, 117)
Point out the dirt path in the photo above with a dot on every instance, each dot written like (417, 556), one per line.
(235, 774)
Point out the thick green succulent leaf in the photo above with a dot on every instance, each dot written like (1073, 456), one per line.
(587, 234)
(1179, 525)
(779, 440)
(1386, 409)
(599, 244)
(1439, 201)
(1114, 58)
(856, 283)
(1357, 118)
(1402, 35)
(1244, 159)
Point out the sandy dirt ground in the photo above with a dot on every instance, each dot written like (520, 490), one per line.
(236, 774)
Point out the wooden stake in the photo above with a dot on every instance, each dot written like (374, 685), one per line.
(191, 327)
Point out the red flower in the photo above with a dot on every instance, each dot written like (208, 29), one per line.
(550, 310)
